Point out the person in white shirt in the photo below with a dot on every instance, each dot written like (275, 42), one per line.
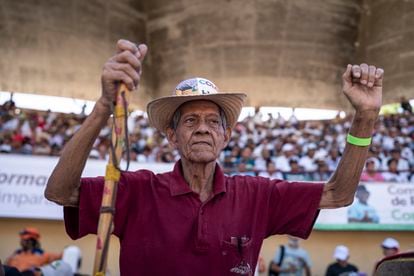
(307, 162)
(282, 162)
(393, 174)
(294, 261)
(271, 172)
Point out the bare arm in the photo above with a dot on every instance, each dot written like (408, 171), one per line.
(307, 270)
(362, 85)
(63, 184)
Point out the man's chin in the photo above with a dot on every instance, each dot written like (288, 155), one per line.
(202, 158)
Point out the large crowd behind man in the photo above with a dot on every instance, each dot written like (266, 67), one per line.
(277, 148)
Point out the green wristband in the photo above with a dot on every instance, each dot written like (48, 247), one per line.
(362, 142)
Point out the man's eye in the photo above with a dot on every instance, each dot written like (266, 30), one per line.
(189, 120)
(214, 122)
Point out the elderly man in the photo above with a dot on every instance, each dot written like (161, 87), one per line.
(195, 220)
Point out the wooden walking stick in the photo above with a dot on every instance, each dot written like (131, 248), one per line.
(112, 175)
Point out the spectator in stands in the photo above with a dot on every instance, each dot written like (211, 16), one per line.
(30, 256)
(405, 105)
(32, 133)
(146, 156)
(243, 169)
(402, 164)
(246, 157)
(341, 266)
(390, 246)
(296, 173)
(360, 211)
(228, 165)
(333, 158)
(392, 174)
(6, 144)
(388, 140)
(271, 172)
(322, 172)
(370, 172)
(282, 162)
(291, 260)
(307, 162)
(43, 147)
(262, 160)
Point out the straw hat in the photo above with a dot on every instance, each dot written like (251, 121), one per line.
(160, 111)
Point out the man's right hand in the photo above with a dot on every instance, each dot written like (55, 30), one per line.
(125, 66)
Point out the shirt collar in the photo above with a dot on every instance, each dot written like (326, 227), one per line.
(179, 186)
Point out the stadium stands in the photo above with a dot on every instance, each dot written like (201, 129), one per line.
(295, 150)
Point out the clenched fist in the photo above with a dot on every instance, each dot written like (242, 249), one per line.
(362, 85)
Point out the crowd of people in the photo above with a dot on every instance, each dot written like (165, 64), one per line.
(277, 148)
(292, 259)
(31, 259)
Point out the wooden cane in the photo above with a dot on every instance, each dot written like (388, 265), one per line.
(112, 175)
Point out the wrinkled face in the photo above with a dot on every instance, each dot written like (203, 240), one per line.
(199, 135)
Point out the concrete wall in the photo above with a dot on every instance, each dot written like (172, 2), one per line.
(387, 39)
(364, 246)
(281, 53)
(59, 47)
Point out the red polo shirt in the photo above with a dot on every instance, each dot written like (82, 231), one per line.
(164, 228)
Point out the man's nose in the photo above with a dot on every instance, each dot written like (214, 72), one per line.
(203, 127)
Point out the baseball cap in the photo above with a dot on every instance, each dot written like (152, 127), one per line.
(341, 253)
(390, 243)
(287, 147)
(29, 233)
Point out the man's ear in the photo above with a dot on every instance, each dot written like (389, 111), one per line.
(171, 137)
(227, 136)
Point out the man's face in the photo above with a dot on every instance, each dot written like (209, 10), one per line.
(200, 136)
(26, 244)
(362, 196)
(389, 251)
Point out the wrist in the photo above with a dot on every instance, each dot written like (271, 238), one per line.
(368, 114)
(104, 106)
(363, 123)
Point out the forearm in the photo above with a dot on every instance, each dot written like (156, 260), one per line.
(63, 184)
(340, 189)
(307, 271)
(275, 267)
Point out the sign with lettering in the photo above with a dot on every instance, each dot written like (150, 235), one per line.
(23, 180)
(377, 206)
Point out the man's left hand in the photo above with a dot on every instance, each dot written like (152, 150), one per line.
(362, 85)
